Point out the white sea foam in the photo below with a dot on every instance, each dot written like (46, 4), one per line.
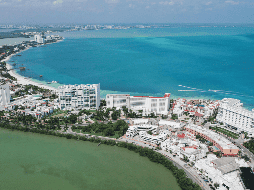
(186, 90)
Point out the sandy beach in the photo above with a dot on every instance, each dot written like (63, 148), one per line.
(23, 80)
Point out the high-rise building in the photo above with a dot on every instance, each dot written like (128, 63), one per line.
(39, 39)
(148, 104)
(235, 117)
(84, 96)
(4, 96)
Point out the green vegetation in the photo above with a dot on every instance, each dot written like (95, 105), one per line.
(174, 117)
(225, 132)
(246, 158)
(218, 154)
(31, 89)
(249, 145)
(185, 158)
(110, 129)
(130, 113)
(216, 185)
(103, 103)
(201, 139)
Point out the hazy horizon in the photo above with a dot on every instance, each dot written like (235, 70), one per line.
(125, 11)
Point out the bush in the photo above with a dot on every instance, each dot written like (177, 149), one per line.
(68, 136)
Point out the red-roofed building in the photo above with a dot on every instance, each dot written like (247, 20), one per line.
(181, 136)
(198, 114)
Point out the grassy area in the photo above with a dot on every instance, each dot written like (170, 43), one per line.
(249, 145)
(93, 133)
(58, 113)
(225, 132)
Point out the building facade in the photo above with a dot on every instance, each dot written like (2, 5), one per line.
(39, 39)
(4, 96)
(235, 117)
(84, 96)
(226, 147)
(148, 104)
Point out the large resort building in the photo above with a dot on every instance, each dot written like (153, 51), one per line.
(148, 104)
(235, 117)
(79, 96)
(226, 147)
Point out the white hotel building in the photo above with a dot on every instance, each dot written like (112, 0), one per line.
(39, 39)
(147, 104)
(4, 96)
(84, 96)
(235, 117)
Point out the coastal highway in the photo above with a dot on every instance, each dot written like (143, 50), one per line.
(190, 172)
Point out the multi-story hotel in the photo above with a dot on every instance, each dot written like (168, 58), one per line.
(147, 104)
(4, 96)
(79, 96)
(235, 117)
(39, 38)
(225, 146)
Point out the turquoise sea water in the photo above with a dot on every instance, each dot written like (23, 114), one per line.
(208, 62)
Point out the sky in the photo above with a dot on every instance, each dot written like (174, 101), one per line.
(126, 11)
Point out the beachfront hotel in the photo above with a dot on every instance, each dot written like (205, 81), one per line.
(40, 39)
(235, 117)
(148, 104)
(226, 147)
(84, 96)
(4, 96)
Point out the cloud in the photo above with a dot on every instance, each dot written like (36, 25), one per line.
(57, 2)
(232, 2)
(132, 6)
(209, 3)
(111, 1)
(166, 3)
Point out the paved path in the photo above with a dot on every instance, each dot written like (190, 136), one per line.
(190, 172)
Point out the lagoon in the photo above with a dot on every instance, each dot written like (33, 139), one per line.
(34, 161)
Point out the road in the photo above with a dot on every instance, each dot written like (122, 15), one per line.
(190, 172)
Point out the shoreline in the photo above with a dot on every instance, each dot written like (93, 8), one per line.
(54, 86)
(24, 80)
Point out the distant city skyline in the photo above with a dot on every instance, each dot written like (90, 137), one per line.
(126, 11)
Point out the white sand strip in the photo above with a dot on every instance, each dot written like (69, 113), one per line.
(23, 80)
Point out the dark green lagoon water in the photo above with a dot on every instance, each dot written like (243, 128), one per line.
(32, 161)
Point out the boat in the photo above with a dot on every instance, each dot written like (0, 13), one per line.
(22, 68)
(14, 64)
(40, 75)
(54, 81)
(48, 82)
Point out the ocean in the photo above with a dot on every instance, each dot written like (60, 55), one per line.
(189, 61)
